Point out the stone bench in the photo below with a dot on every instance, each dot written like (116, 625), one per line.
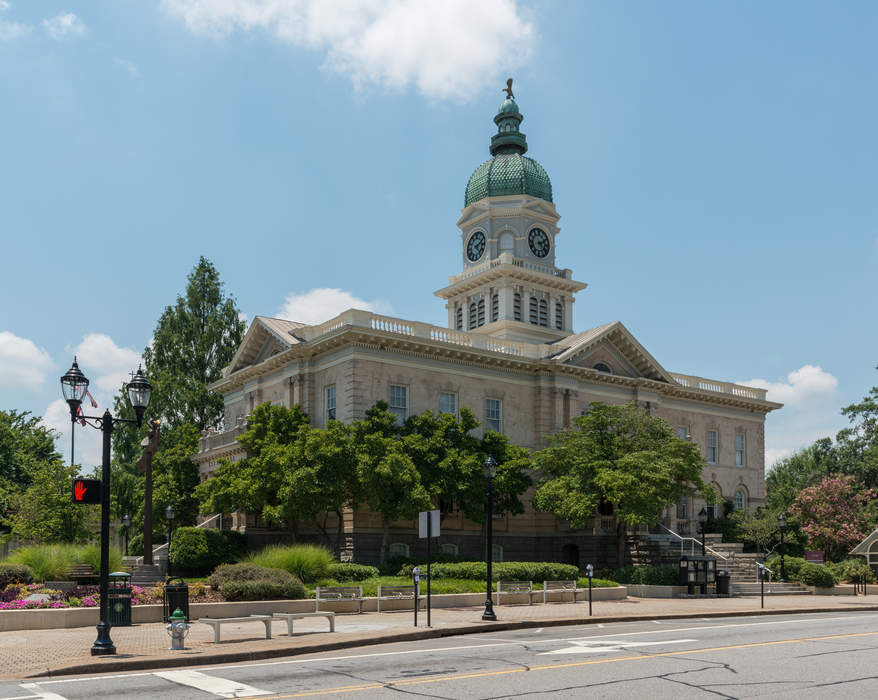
(559, 586)
(82, 572)
(397, 593)
(516, 588)
(340, 593)
(217, 622)
(290, 617)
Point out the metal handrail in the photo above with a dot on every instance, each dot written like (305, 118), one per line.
(139, 560)
(694, 542)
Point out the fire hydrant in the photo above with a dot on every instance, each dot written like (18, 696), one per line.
(178, 629)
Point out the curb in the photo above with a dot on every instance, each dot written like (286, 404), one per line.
(117, 665)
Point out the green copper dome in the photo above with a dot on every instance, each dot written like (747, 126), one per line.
(509, 171)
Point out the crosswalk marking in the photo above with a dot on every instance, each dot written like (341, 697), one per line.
(40, 693)
(598, 646)
(223, 687)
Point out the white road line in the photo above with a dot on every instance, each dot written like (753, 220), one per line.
(604, 647)
(40, 693)
(223, 687)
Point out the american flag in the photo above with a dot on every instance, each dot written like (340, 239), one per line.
(94, 404)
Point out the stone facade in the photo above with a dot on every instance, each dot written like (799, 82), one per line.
(510, 355)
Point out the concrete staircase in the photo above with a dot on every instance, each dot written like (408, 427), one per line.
(773, 588)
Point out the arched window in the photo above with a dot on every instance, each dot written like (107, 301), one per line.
(495, 307)
(398, 549)
(481, 313)
(472, 315)
(603, 367)
(559, 315)
(544, 313)
(458, 322)
(740, 499)
(448, 549)
(534, 314)
(516, 306)
(497, 552)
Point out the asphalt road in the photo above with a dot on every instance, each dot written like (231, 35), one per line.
(791, 656)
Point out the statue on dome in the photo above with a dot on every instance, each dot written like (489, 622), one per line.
(508, 90)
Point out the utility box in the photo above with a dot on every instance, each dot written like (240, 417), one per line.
(697, 571)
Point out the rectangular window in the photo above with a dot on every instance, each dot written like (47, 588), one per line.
(330, 402)
(399, 402)
(534, 314)
(516, 306)
(494, 415)
(711, 447)
(682, 507)
(448, 402)
(683, 432)
(740, 450)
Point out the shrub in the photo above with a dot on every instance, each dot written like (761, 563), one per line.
(264, 589)
(792, 566)
(238, 572)
(351, 572)
(816, 575)
(851, 570)
(647, 575)
(307, 561)
(394, 564)
(198, 550)
(15, 573)
(537, 571)
(91, 554)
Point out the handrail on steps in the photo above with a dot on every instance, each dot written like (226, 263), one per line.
(217, 516)
(694, 542)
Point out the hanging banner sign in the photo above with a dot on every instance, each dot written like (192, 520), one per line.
(86, 491)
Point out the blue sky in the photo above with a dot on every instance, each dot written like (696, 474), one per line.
(714, 165)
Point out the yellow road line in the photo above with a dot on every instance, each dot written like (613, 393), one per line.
(502, 672)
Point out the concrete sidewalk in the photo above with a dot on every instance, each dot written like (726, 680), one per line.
(67, 651)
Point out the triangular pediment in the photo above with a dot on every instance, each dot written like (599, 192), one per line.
(613, 347)
(264, 338)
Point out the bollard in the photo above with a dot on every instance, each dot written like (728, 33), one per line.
(177, 629)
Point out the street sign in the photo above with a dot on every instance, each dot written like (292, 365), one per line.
(86, 491)
(434, 523)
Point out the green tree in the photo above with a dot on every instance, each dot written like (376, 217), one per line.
(803, 468)
(619, 455)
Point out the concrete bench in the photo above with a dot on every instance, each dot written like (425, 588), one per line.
(342, 593)
(217, 622)
(516, 588)
(82, 572)
(397, 593)
(290, 617)
(559, 586)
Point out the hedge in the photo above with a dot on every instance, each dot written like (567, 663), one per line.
(852, 570)
(647, 575)
(351, 572)
(797, 569)
(15, 573)
(251, 582)
(197, 550)
(508, 570)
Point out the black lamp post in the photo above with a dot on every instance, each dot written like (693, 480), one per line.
(782, 524)
(74, 385)
(702, 522)
(126, 521)
(169, 514)
(490, 471)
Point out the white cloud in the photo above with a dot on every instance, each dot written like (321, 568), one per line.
(128, 66)
(22, 363)
(4, 5)
(445, 49)
(12, 30)
(811, 411)
(64, 24)
(321, 304)
(89, 446)
(105, 364)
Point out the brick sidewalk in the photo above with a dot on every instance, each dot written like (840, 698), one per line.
(42, 652)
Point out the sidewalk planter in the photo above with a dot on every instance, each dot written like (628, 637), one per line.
(49, 618)
(636, 590)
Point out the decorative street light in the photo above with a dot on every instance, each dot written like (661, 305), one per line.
(74, 385)
(126, 521)
(490, 472)
(782, 524)
(702, 522)
(169, 514)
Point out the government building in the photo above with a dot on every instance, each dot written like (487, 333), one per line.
(510, 354)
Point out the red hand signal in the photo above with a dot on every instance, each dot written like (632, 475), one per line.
(79, 491)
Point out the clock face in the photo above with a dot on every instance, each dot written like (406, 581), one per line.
(476, 246)
(538, 242)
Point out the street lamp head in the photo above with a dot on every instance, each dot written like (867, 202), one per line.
(702, 515)
(490, 466)
(139, 390)
(782, 520)
(169, 513)
(74, 384)
(126, 520)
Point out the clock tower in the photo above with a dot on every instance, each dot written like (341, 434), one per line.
(510, 287)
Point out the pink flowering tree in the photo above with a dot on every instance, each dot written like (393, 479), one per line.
(836, 514)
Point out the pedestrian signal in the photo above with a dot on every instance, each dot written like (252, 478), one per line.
(86, 491)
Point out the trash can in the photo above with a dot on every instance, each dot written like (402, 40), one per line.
(119, 599)
(176, 597)
(722, 582)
